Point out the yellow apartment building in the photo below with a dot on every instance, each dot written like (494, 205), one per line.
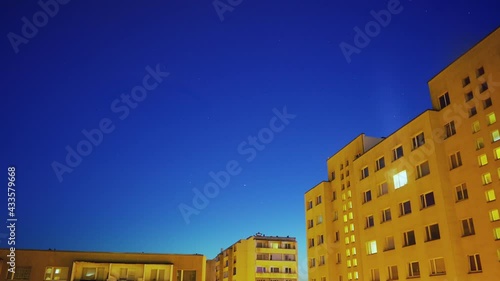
(36, 265)
(420, 203)
(259, 258)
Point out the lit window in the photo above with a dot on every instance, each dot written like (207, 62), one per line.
(444, 100)
(495, 135)
(455, 160)
(486, 177)
(364, 173)
(409, 238)
(404, 208)
(400, 179)
(413, 269)
(475, 263)
(345, 218)
(348, 263)
(371, 247)
(432, 232)
(397, 153)
(56, 273)
(490, 195)
(494, 215)
(353, 251)
(427, 200)
(351, 216)
(418, 141)
(367, 196)
(496, 233)
(346, 229)
(437, 266)
(468, 227)
(348, 253)
(482, 159)
(480, 71)
(476, 127)
(496, 152)
(450, 129)
(319, 219)
(380, 163)
(423, 169)
(347, 241)
(353, 238)
(352, 227)
(462, 193)
(492, 118)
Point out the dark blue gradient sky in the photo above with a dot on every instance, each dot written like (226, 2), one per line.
(225, 79)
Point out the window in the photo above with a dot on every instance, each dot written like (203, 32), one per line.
(234, 270)
(427, 200)
(364, 173)
(462, 192)
(309, 205)
(371, 247)
(437, 266)
(492, 118)
(339, 258)
(369, 222)
(389, 243)
(335, 215)
(494, 215)
(476, 127)
(409, 238)
(400, 179)
(56, 273)
(450, 129)
(423, 169)
(432, 232)
(383, 188)
(321, 260)
(404, 208)
(444, 100)
(92, 273)
(334, 195)
(397, 153)
(479, 143)
(486, 177)
(353, 251)
(455, 160)
(367, 196)
(480, 71)
(483, 87)
(468, 227)
(157, 275)
(475, 263)
(337, 236)
(311, 242)
(469, 96)
(21, 273)
(472, 111)
(380, 163)
(318, 200)
(375, 274)
(495, 135)
(312, 262)
(320, 239)
(487, 103)
(386, 215)
(413, 269)
(490, 195)
(393, 272)
(310, 223)
(496, 233)
(319, 219)
(418, 141)
(333, 175)
(465, 81)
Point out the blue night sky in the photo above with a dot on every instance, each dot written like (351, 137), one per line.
(226, 76)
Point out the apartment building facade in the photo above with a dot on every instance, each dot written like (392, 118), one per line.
(258, 258)
(35, 265)
(420, 203)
